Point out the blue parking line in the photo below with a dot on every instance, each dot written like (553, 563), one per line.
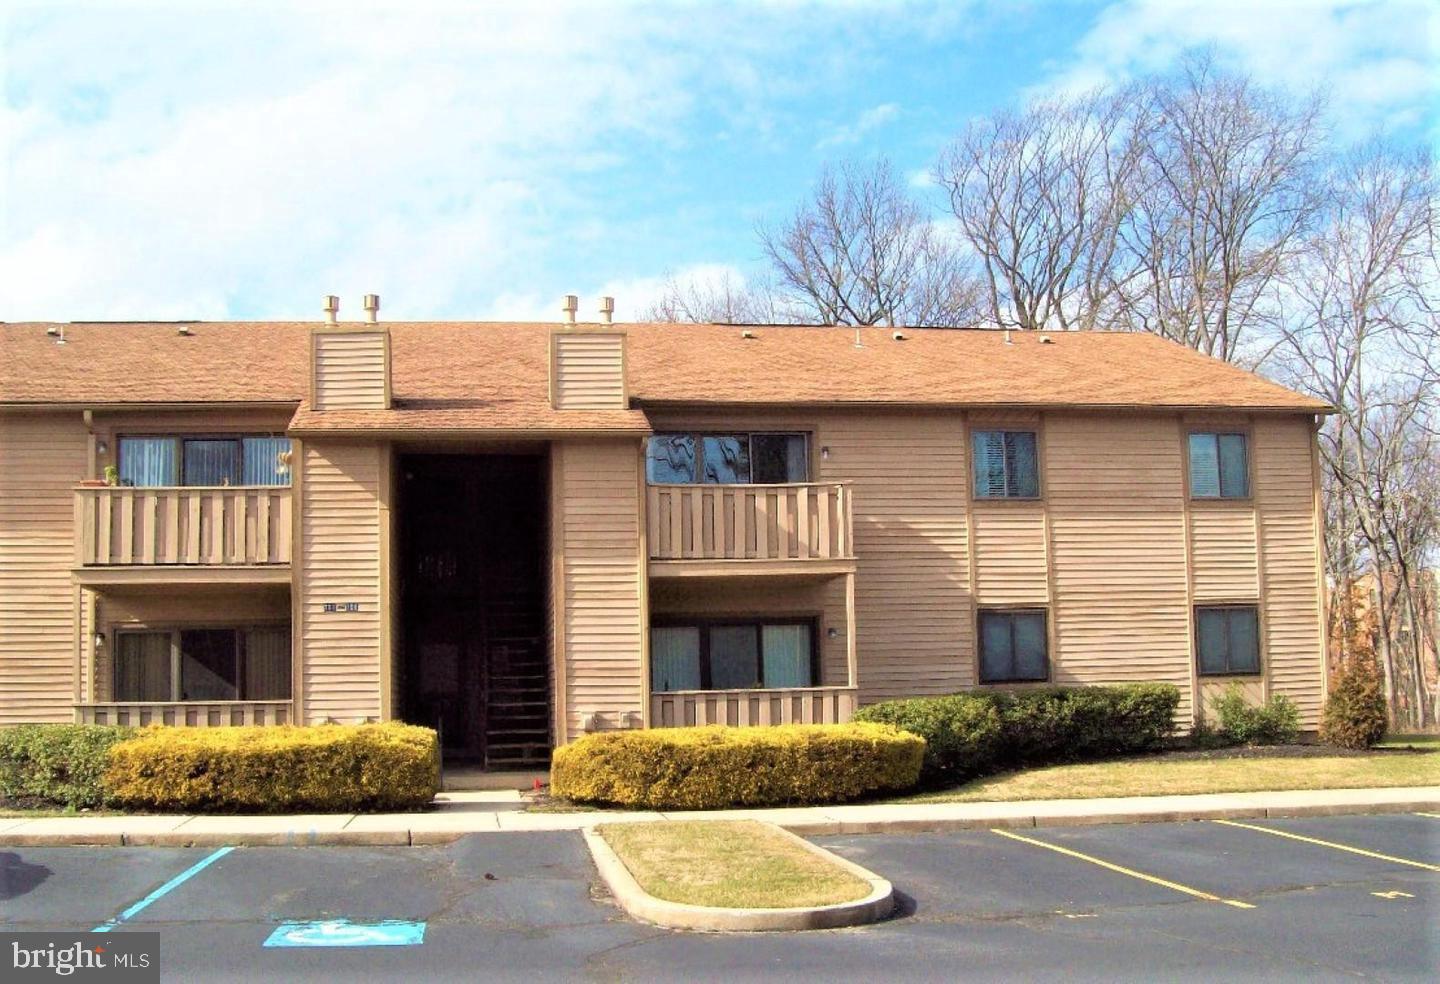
(163, 890)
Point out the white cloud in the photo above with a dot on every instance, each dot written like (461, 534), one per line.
(850, 133)
(1376, 58)
(244, 160)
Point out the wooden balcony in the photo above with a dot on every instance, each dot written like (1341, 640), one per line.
(739, 708)
(185, 714)
(701, 530)
(230, 534)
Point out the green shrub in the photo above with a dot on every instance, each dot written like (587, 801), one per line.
(713, 767)
(63, 764)
(330, 767)
(971, 734)
(1274, 722)
(962, 732)
(1355, 714)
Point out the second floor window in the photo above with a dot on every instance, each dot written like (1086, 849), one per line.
(258, 460)
(1006, 465)
(726, 459)
(1219, 466)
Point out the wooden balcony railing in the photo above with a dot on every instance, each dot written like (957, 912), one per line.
(750, 522)
(738, 708)
(234, 525)
(185, 714)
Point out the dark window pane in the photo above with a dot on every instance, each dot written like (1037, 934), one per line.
(675, 658)
(1244, 640)
(267, 663)
(989, 455)
(734, 657)
(147, 461)
(727, 459)
(208, 669)
(1029, 647)
(142, 666)
(267, 461)
(786, 654)
(778, 458)
(1204, 466)
(670, 459)
(1021, 465)
(1234, 476)
(1212, 640)
(212, 462)
(997, 660)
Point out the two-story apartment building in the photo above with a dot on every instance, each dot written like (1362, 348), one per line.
(521, 532)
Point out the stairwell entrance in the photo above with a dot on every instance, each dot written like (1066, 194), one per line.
(473, 571)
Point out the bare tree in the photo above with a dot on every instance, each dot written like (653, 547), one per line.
(1224, 189)
(1357, 298)
(1040, 194)
(862, 251)
(722, 299)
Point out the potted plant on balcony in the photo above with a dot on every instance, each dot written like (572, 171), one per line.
(112, 475)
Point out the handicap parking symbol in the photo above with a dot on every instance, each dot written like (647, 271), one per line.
(342, 932)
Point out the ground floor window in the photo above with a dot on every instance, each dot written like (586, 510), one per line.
(1227, 639)
(1013, 646)
(732, 654)
(203, 664)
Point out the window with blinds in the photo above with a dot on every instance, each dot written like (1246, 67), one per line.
(733, 655)
(1219, 466)
(1005, 464)
(204, 461)
(1013, 646)
(203, 664)
(1227, 640)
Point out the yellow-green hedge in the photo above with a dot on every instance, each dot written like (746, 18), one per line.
(714, 767)
(329, 768)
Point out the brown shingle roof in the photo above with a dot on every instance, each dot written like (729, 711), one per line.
(477, 375)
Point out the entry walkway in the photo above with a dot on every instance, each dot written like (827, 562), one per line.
(457, 814)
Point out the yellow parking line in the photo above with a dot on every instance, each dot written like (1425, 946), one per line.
(1123, 870)
(1432, 816)
(1325, 843)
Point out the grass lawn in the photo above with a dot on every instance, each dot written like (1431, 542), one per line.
(728, 863)
(1162, 775)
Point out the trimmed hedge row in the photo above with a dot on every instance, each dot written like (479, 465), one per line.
(711, 767)
(331, 768)
(971, 734)
(58, 764)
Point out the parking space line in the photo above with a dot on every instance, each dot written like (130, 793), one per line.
(1432, 816)
(1197, 893)
(1332, 844)
(163, 890)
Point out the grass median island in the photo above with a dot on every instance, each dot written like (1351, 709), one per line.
(1179, 774)
(729, 864)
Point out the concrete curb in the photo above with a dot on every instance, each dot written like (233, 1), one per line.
(400, 830)
(678, 915)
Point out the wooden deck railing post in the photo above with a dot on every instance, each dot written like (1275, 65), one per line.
(806, 521)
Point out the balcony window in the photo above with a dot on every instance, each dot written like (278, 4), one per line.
(1006, 465)
(1219, 466)
(727, 459)
(204, 461)
(210, 664)
(732, 655)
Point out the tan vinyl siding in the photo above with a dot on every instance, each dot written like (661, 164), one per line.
(350, 370)
(1223, 551)
(1118, 550)
(588, 370)
(1010, 563)
(42, 456)
(341, 530)
(1284, 498)
(597, 540)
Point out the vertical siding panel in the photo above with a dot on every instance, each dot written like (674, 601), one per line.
(341, 526)
(599, 520)
(42, 456)
(1285, 505)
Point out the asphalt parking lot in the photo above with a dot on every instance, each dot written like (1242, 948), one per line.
(1334, 898)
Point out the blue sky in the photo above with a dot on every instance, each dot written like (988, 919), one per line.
(478, 160)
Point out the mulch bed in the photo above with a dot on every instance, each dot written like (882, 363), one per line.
(1283, 751)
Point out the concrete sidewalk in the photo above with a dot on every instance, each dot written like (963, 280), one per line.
(460, 813)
